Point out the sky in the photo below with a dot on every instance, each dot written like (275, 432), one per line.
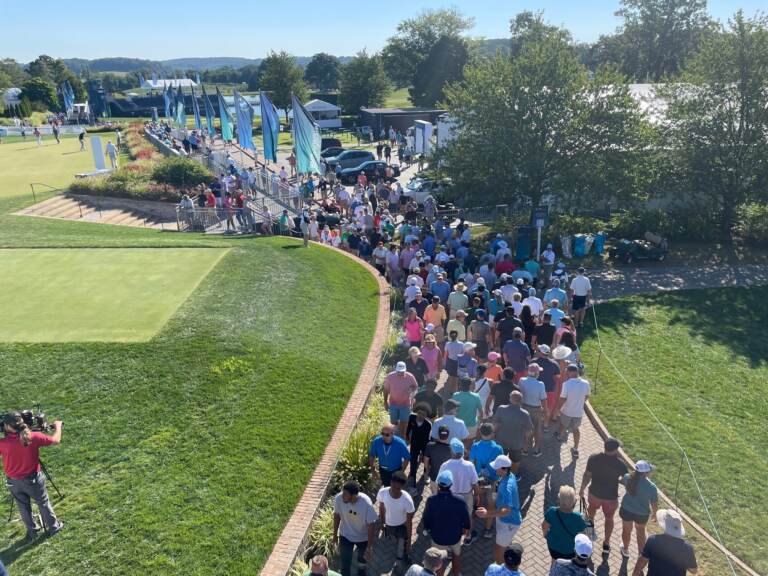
(159, 30)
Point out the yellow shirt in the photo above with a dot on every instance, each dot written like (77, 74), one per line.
(459, 327)
(436, 317)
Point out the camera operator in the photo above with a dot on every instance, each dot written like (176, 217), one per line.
(21, 464)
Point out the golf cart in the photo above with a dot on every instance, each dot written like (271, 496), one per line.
(652, 247)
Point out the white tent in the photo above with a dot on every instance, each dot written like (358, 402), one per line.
(325, 113)
(12, 96)
(162, 83)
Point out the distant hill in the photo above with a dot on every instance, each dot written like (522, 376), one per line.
(489, 46)
(119, 64)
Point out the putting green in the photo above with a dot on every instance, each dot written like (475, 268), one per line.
(22, 163)
(88, 295)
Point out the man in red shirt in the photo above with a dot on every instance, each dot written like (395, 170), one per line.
(21, 463)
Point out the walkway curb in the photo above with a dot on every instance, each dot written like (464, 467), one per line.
(294, 534)
(603, 432)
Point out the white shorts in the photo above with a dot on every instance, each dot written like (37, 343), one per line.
(505, 533)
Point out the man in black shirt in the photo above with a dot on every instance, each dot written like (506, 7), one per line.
(431, 398)
(420, 304)
(505, 328)
(667, 554)
(435, 454)
(500, 392)
(602, 475)
(544, 333)
(417, 436)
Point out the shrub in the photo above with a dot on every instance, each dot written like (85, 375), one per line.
(125, 183)
(752, 225)
(182, 173)
(566, 224)
(320, 539)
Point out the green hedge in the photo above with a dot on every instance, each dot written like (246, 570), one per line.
(125, 184)
(752, 226)
(181, 172)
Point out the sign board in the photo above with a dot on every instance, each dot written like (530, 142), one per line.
(540, 217)
(98, 153)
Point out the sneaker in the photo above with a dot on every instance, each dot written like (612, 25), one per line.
(56, 529)
(624, 551)
(607, 548)
(470, 539)
(574, 452)
(524, 452)
(537, 453)
(488, 533)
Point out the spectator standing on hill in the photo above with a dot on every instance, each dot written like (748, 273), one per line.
(602, 476)
(112, 153)
(354, 527)
(81, 139)
(667, 554)
(391, 452)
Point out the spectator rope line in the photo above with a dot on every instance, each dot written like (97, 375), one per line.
(728, 555)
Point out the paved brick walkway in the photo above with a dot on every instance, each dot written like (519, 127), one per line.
(540, 481)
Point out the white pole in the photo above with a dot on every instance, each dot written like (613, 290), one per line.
(538, 242)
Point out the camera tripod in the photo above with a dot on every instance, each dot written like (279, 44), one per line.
(48, 477)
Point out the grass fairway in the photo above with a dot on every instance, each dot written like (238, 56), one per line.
(186, 454)
(22, 163)
(699, 359)
(91, 295)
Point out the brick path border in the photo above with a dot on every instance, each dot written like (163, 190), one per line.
(294, 534)
(602, 430)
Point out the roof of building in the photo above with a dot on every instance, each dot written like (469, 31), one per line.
(385, 111)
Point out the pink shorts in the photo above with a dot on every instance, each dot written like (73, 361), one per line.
(608, 506)
(551, 400)
(519, 375)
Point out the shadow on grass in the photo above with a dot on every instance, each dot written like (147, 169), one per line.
(10, 553)
(730, 317)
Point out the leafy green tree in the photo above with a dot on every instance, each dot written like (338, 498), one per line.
(282, 76)
(182, 173)
(444, 64)
(717, 122)
(40, 90)
(363, 82)
(415, 38)
(657, 37)
(250, 75)
(24, 108)
(15, 72)
(322, 72)
(5, 80)
(536, 127)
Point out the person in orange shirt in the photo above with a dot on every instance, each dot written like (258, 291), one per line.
(435, 314)
(493, 371)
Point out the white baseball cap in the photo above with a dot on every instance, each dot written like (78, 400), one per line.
(501, 461)
(400, 367)
(643, 466)
(583, 545)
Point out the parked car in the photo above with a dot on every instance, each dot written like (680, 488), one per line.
(349, 175)
(349, 159)
(651, 247)
(329, 143)
(419, 189)
(331, 151)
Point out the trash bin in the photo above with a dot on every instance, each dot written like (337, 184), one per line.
(579, 245)
(599, 242)
(566, 243)
(588, 241)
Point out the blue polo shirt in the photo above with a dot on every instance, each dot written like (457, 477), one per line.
(557, 315)
(482, 453)
(446, 517)
(390, 456)
(509, 497)
(442, 289)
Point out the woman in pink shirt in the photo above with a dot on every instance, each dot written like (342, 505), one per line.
(430, 353)
(414, 328)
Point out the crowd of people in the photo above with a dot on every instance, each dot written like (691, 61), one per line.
(492, 368)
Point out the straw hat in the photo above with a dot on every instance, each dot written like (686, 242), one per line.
(561, 352)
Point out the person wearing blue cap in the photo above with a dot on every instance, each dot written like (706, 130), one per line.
(446, 519)
(465, 479)
(507, 512)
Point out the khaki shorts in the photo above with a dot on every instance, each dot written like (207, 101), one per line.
(535, 413)
(469, 500)
(570, 423)
(454, 549)
(472, 432)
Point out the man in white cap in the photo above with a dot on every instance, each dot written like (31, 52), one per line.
(433, 562)
(667, 554)
(464, 479)
(399, 388)
(507, 513)
(579, 564)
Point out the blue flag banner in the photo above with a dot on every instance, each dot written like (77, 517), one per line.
(197, 78)
(196, 109)
(225, 118)
(210, 115)
(154, 78)
(167, 102)
(306, 139)
(270, 126)
(244, 116)
(141, 80)
(181, 118)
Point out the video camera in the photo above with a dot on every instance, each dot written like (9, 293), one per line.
(34, 419)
